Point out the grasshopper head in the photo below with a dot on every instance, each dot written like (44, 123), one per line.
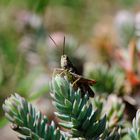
(66, 64)
(64, 61)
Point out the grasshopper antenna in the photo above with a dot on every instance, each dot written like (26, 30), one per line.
(63, 49)
(52, 40)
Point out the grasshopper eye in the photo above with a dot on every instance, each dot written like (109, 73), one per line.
(65, 57)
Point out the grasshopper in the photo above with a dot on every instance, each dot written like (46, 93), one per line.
(67, 69)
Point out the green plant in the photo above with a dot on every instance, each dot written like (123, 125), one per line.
(76, 111)
(98, 118)
(113, 107)
(29, 122)
(74, 108)
(110, 80)
(135, 130)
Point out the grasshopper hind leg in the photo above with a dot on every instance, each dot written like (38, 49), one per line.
(75, 82)
(85, 89)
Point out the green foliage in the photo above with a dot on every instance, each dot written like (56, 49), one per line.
(108, 80)
(72, 4)
(28, 84)
(3, 122)
(76, 114)
(23, 35)
(76, 111)
(135, 130)
(29, 122)
(114, 135)
(128, 3)
(37, 6)
(115, 114)
(114, 109)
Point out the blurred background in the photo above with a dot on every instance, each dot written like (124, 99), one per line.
(102, 40)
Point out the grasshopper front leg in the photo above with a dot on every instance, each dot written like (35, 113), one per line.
(59, 71)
